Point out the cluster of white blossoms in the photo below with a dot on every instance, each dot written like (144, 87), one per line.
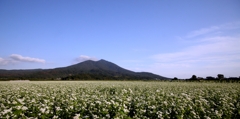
(119, 99)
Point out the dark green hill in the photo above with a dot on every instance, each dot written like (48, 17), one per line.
(88, 70)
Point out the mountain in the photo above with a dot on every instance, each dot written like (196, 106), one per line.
(87, 70)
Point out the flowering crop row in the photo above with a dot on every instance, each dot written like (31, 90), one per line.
(116, 99)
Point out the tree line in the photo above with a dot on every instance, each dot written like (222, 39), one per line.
(220, 77)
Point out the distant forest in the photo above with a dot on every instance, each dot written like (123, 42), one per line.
(219, 78)
(103, 76)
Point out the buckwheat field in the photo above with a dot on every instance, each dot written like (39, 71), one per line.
(119, 99)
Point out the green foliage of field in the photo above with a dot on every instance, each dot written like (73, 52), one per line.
(119, 99)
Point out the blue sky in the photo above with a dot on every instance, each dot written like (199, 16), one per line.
(169, 38)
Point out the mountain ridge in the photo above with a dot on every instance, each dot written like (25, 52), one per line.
(87, 70)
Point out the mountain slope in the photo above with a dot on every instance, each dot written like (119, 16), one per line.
(94, 70)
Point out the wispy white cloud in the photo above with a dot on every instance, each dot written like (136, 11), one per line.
(20, 58)
(83, 58)
(214, 51)
(215, 48)
(211, 53)
(4, 61)
(16, 58)
(213, 29)
(202, 31)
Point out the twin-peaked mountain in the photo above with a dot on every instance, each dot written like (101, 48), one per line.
(88, 70)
